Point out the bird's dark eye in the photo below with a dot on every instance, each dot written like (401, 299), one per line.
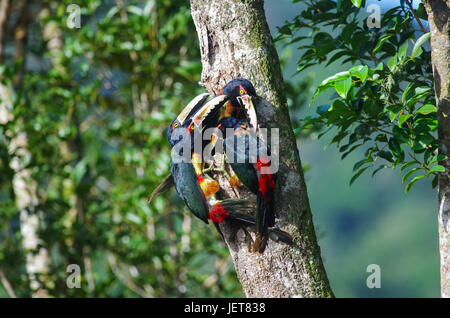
(241, 92)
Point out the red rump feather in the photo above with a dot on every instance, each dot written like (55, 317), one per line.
(266, 181)
(218, 213)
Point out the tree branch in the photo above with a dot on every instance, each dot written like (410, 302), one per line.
(7, 285)
(415, 16)
(4, 13)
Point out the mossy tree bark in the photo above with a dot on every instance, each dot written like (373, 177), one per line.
(235, 41)
(438, 13)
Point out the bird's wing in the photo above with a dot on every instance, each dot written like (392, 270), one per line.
(189, 190)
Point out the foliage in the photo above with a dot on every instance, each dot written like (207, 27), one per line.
(384, 102)
(95, 109)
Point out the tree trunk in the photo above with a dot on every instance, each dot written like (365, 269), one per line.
(4, 13)
(438, 12)
(25, 188)
(235, 41)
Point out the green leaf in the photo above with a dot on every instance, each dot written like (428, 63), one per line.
(392, 115)
(359, 71)
(328, 83)
(383, 39)
(135, 10)
(349, 151)
(285, 29)
(381, 167)
(422, 141)
(387, 155)
(421, 12)
(410, 103)
(79, 171)
(348, 31)
(322, 109)
(356, 176)
(395, 147)
(413, 181)
(111, 13)
(403, 118)
(427, 109)
(401, 135)
(415, 51)
(421, 90)
(336, 77)
(408, 90)
(437, 168)
(392, 62)
(437, 158)
(409, 173)
(144, 207)
(134, 218)
(381, 137)
(357, 3)
(342, 87)
(434, 183)
(359, 164)
(402, 52)
(408, 164)
(336, 56)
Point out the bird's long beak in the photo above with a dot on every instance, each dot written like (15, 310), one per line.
(210, 108)
(247, 103)
(193, 106)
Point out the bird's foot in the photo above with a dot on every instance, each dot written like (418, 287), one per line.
(248, 239)
(259, 244)
(278, 235)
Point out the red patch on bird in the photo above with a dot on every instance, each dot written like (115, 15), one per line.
(262, 162)
(241, 88)
(218, 213)
(266, 181)
(200, 178)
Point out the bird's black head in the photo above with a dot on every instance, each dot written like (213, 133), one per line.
(238, 87)
(240, 91)
(173, 125)
(184, 119)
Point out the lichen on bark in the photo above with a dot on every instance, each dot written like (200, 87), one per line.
(235, 41)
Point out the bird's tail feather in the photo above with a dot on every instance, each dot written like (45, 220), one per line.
(165, 185)
(234, 210)
(265, 219)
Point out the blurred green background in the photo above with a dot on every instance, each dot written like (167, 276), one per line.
(93, 104)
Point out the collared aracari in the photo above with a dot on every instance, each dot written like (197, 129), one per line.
(239, 113)
(190, 183)
(189, 190)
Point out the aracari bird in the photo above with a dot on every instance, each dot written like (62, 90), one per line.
(190, 183)
(252, 170)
